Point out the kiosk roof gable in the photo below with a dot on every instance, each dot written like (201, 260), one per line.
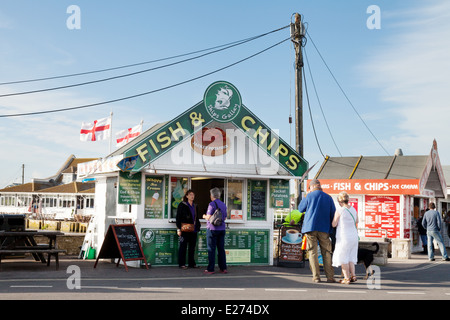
(395, 167)
(221, 104)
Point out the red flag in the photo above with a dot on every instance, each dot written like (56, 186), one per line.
(97, 130)
(125, 136)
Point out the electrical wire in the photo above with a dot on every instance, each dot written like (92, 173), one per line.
(345, 95)
(227, 45)
(145, 93)
(310, 113)
(320, 104)
(128, 74)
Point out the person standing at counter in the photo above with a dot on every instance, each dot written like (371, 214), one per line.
(215, 235)
(319, 211)
(187, 214)
(433, 223)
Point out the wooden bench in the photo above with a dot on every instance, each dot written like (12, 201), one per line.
(49, 252)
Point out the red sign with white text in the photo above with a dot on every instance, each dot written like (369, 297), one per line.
(382, 212)
(371, 186)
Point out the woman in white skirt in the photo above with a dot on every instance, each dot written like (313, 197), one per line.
(346, 251)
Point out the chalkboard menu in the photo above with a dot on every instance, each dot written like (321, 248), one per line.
(257, 190)
(122, 242)
(242, 246)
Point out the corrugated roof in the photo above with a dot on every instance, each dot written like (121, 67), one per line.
(388, 167)
(408, 167)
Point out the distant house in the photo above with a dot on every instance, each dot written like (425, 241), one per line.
(57, 197)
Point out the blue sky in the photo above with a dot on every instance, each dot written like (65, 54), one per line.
(396, 76)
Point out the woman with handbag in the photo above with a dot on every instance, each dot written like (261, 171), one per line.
(188, 225)
(346, 252)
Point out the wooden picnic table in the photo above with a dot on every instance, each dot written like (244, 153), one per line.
(21, 242)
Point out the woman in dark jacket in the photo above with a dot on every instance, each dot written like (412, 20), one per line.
(187, 213)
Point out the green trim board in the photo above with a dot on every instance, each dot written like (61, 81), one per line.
(242, 246)
(222, 103)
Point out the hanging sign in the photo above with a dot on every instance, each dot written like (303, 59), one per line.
(127, 164)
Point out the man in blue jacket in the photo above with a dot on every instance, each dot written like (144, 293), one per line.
(432, 222)
(320, 209)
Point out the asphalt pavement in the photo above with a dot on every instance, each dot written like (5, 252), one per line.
(415, 278)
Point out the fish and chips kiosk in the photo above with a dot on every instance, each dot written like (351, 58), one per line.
(388, 192)
(218, 142)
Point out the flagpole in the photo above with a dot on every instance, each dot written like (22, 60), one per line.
(110, 135)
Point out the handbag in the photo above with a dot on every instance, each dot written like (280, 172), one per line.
(187, 227)
(304, 243)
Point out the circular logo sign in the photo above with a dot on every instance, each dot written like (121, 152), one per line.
(147, 236)
(222, 101)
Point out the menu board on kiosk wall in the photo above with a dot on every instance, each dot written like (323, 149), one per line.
(121, 242)
(257, 192)
(382, 212)
(242, 246)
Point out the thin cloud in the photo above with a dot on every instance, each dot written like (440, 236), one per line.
(411, 70)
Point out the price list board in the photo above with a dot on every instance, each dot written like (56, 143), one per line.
(257, 195)
(160, 246)
(242, 246)
(382, 212)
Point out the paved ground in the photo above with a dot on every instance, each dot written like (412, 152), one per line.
(416, 278)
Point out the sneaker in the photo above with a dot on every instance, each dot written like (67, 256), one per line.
(208, 272)
(447, 259)
(431, 259)
(223, 271)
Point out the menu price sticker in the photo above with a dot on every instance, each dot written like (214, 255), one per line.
(382, 212)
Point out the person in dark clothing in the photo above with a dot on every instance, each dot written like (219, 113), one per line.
(422, 232)
(187, 213)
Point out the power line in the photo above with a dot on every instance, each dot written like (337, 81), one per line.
(227, 45)
(320, 104)
(128, 74)
(345, 95)
(145, 93)
(310, 114)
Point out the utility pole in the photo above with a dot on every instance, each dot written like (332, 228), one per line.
(23, 173)
(297, 35)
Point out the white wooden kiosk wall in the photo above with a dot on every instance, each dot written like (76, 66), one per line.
(243, 149)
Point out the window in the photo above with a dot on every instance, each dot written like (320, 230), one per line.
(90, 202)
(178, 187)
(23, 201)
(234, 199)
